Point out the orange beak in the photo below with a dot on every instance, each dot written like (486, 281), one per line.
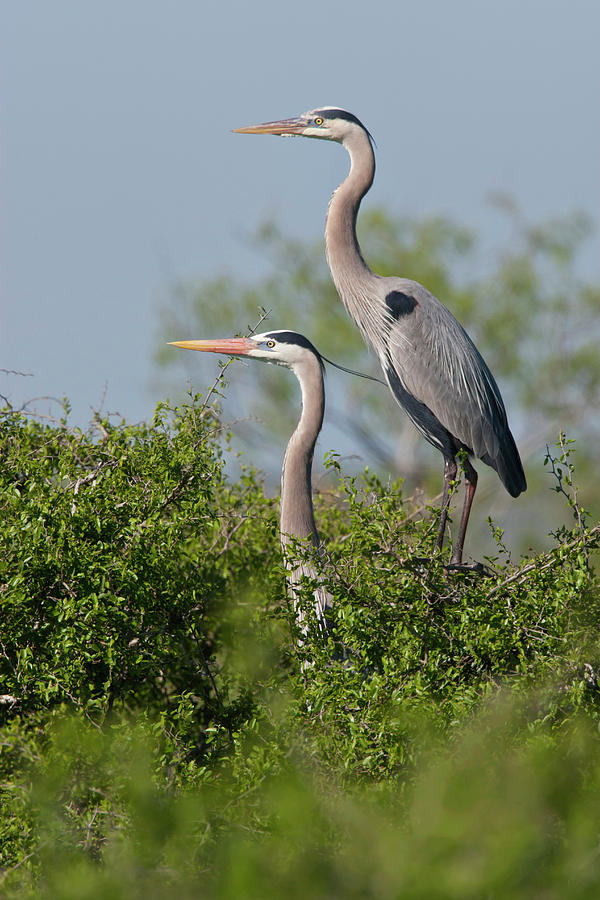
(230, 346)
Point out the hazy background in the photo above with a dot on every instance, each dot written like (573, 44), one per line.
(120, 174)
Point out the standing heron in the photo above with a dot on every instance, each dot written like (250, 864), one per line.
(297, 520)
(431, 365)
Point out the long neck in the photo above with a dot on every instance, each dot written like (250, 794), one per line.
(341, 244)
(296, 514)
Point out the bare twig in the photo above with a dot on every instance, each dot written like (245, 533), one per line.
(228, 537)
(218, 379)
(6, 872)
(91, 476)
(88, 837)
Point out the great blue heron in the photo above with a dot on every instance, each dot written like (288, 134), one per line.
(297, 520)
(431, 365)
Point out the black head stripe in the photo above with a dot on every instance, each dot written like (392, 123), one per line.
(292, 337)
(339, 114)
(343, 114)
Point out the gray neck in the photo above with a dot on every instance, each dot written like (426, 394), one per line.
(296, 514)
(341, 244)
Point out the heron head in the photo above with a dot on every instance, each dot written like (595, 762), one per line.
(328, 123)
(285, 348)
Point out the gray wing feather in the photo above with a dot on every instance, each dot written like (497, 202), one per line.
(438, 364)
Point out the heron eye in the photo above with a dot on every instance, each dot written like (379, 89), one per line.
(270, 343)
(318, 120)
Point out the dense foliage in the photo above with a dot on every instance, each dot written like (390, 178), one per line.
(164, 733)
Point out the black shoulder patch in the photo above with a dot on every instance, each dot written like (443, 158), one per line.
(400, 304)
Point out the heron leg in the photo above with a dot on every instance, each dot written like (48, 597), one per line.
(470, 486)
(450, 470)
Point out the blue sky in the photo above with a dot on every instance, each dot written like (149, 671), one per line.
(120, 174)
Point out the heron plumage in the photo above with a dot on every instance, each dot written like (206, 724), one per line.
(296, 513)
(430, 363)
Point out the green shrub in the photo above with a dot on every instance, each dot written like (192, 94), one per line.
(164, 732)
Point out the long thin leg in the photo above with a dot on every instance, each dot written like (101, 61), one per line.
(470, 486)
(450, 469)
